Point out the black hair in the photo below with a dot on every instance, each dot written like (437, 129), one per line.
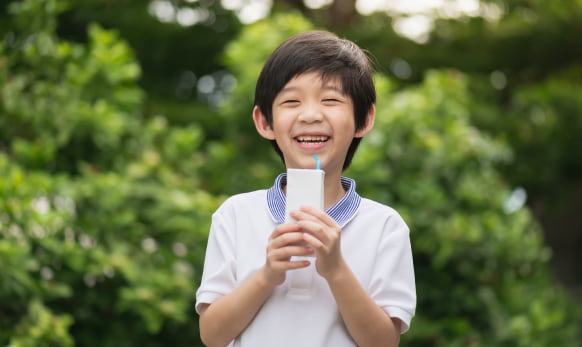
(332, 57)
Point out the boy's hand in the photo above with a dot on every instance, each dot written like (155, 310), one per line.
(322, 233)
(283, 244)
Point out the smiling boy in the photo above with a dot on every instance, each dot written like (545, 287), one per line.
(314, 96)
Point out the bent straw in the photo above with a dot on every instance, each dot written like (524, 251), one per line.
(317, 162)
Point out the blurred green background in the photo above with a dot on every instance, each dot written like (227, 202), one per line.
(125, 123)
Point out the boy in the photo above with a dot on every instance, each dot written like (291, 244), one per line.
(314, 96)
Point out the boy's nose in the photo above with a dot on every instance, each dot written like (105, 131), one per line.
(311, 113)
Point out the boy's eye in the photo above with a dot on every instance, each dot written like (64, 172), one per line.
(330, 100)
(291, 101)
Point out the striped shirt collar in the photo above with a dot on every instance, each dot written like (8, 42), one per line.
(342, 211)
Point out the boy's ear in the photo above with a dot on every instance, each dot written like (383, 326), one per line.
(370, 117)
(263, 127)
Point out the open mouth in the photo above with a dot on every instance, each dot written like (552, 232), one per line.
(312, 139)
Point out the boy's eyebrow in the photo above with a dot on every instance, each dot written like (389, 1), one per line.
(333, 87)
(288, 89)
(328, 86)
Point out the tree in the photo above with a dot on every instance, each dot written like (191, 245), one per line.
(103, 221)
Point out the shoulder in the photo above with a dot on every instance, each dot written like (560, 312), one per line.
(377, 212)
(237, 210)
(249, 200)
(376, 208)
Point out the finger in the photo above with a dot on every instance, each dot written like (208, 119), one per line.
(276, 270)
(283, 229)
(322, 232)
(292, 265)
(298, 264)
(314, 214)
(285, 253)
(285, 239)
(313, 241)
(300, 216)
(278, 265)
(319, 214)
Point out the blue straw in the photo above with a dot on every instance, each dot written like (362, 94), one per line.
(317, 162)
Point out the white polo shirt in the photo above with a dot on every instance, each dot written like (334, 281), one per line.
(302, 312)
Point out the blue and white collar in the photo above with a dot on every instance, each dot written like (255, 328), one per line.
(342, 211)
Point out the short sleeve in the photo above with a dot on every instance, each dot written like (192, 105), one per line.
(393, 285)
(219, 274)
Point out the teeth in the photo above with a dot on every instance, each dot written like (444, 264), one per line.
(312, 138)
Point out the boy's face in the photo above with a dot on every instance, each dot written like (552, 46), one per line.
(310, 117)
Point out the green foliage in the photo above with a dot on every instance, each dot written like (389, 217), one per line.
(89, 91)
(173, 57)
(102, 221)
(41, 328)
(544, 123)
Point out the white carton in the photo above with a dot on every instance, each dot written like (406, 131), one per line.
(304, 188)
